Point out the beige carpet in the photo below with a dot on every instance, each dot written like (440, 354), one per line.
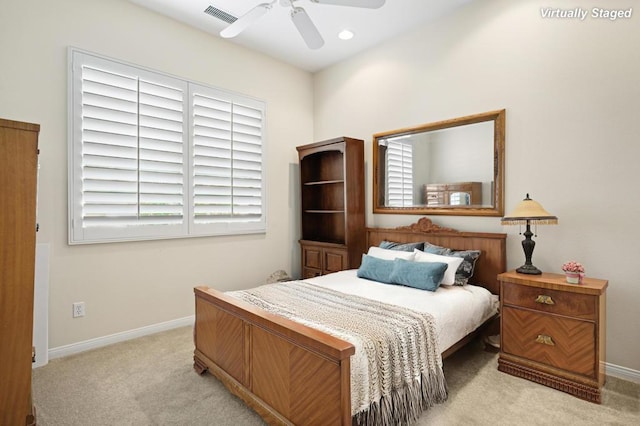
(150, 381)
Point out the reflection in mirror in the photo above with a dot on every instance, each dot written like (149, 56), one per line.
(449, 167)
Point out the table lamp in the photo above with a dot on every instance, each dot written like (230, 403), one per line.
(526, 213)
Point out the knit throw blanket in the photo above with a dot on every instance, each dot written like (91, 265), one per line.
(396, 371)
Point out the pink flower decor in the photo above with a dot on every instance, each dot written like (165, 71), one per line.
(572, 266)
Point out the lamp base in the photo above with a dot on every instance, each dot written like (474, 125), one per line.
(529, 269)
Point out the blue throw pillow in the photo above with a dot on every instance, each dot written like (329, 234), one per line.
(373, 268)
(422, 275)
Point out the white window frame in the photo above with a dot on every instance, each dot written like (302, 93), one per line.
(81, 234)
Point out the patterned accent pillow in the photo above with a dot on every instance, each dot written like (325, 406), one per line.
(466, 268)
(391, 245)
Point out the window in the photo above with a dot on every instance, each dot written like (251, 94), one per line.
(399, 172)
(154, 156)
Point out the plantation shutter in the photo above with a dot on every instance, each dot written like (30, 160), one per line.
(130, 176)
(399, 172)
(228, 178)
(154, 156)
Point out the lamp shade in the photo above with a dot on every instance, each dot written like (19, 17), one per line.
(526, 213)
(529, 211)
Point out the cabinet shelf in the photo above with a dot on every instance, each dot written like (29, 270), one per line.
(324, 211)
(324, 182)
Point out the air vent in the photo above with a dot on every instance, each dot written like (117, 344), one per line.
(220, 14)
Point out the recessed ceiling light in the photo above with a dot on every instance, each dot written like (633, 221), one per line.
(345, 35)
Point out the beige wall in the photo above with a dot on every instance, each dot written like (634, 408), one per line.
(131, 285)
(572, 95)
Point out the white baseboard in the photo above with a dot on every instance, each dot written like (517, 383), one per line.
(99, 342)
(623, 373)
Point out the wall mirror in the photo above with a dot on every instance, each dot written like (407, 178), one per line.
(450, 167)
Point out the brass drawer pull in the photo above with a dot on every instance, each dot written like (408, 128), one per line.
(543, 338)
(545, 300)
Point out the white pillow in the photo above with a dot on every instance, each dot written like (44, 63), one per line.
(386, 254)
(451, 261)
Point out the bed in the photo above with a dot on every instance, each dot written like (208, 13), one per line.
(291, 373)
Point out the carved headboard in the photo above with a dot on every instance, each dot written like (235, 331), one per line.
(492, 260)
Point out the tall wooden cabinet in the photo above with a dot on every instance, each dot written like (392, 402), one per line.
(332, 204)
(18, 181)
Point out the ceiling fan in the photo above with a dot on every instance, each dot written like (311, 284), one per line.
(301, 20)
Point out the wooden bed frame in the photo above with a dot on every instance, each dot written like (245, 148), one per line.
(293, 374)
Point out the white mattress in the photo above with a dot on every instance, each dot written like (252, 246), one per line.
(458, 310)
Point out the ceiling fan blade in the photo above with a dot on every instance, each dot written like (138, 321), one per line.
(243, 22)
(306, 28)
(369, 4)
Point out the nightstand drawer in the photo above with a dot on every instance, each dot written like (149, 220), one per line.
(576, 305)
(565, 343)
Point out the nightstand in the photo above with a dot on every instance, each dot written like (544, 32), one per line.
(553, 332)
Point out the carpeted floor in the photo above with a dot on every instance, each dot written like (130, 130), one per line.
(150, 381)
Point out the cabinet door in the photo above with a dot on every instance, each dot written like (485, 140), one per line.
(311, 261)
(319, 260)
(334, 261)
(312, 257)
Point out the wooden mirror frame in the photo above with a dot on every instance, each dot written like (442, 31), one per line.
(497, 208)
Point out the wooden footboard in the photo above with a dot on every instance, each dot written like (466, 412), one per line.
(287, 372)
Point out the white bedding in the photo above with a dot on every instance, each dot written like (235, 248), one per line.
(458, 310)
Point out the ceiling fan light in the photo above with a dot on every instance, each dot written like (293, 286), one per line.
(345, 35)
(306, 28)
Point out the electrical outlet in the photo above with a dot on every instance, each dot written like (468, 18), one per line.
(78, 309)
